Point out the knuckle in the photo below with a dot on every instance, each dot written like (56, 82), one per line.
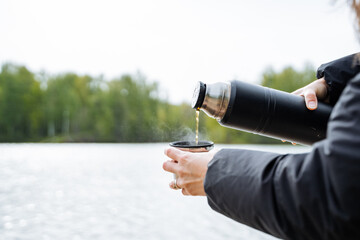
(310, 98)
(184, 157)
(181, 172)
(310, 94)
(180, 183)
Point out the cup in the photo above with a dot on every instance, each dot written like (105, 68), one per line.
(192, 146)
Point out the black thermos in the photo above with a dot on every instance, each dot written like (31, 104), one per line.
(263, 111)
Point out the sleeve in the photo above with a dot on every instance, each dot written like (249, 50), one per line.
(337, 74)
(313, 195)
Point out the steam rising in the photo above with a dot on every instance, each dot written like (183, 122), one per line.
(186, 134)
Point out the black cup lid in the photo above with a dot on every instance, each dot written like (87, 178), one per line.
(198, 95)
(192, 144)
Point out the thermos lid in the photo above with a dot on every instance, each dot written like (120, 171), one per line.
(198, 95)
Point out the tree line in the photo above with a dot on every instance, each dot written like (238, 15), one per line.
(81, 108)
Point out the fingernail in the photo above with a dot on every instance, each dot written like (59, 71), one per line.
(312, 104)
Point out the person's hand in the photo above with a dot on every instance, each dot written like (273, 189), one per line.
(317, 90)
(190, 169)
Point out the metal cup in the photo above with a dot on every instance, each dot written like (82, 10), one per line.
(192, 146)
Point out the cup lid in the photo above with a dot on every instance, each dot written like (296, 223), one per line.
(192, 144)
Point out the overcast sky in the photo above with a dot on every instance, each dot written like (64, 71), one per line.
(174, 42)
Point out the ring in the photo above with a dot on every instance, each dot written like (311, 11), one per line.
(175, 185)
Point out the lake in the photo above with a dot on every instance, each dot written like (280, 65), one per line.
(105, 191)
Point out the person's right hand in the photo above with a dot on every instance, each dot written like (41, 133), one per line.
(317, 90)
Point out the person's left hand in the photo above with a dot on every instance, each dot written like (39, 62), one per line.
(317, 90)
(190, 169)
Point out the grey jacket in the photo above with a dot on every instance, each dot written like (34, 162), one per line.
(313, 195)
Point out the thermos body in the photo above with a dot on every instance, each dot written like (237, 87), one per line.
(264, 111)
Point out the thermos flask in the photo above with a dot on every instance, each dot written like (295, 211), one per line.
(262, 110)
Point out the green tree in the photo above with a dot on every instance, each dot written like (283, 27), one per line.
(70, 107)
(288, 79)
(20, 104)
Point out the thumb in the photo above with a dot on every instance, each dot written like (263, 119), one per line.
(310, 99)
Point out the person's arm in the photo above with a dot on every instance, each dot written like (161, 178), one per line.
(313, 195)
(337, 74)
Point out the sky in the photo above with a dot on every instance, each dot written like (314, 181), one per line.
(174, 42)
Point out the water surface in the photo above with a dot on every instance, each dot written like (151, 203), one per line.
(104, 191)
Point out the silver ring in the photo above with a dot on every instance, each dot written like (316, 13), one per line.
(175, 184)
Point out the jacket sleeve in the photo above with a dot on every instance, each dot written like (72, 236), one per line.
(313, 195)
(337, 74)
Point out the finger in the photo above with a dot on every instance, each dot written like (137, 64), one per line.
(185, 192)
(170, 166)
(172, 186)
(299, 92)
(310, 99)
(174, 153)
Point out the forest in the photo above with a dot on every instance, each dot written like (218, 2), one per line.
(67, 107)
